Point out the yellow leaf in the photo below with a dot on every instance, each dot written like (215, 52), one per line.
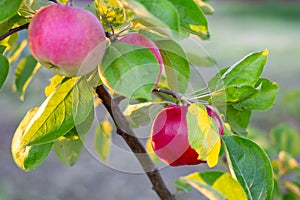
(213, 156)
(229, 187)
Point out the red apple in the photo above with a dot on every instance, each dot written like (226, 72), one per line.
(69, 41)
(170, 136)
(141, 40)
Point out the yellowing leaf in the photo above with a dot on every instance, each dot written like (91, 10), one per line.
(28, 157)
(111, 13)
(103, 139)
(203, 133)
(150, 151)
(214, 185)
(229, 187)
(213, 156)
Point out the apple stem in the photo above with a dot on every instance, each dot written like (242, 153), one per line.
(13, 30)
(124, 130)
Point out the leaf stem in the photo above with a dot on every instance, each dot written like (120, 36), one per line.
(13, 30)
(137, 148)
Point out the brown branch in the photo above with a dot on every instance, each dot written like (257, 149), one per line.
(137, 148)
(13, 30)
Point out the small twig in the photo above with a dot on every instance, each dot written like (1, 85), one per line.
(175, 95)
(13, 30)
(137, 148)
(119, 99)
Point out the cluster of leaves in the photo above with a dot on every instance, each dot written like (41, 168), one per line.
(67, 113)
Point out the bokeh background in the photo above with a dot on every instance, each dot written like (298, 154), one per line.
(237, 28)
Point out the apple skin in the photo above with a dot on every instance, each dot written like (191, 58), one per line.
(69, 41)
(170, 136)
(142, 40)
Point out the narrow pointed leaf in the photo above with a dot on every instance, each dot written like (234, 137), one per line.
(28, 157)
(251, 167)
(103, 139)
(4, 68)
(24, 73)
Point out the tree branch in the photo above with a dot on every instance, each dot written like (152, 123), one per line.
(137, 148)
(13, 30)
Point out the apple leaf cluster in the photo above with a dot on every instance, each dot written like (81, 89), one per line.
(133, 72)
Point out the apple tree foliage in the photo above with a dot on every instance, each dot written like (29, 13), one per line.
(62, 120)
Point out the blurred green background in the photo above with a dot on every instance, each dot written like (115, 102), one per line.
(237, 28)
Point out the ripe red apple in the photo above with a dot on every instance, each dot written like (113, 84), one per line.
(142, 40)
(69, 41)
(170, 136)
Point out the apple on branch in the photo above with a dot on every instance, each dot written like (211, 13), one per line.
(170, 135)
(69, 41)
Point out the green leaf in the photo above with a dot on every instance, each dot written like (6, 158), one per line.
(103, 139)
(160, 13)
(65, 108)
(245, 72)
(250, 165)
(286, 138)
(232, 94)
(68, 147)
(137, 114)
(191, 18)
(263, 99)
(9, 8)
(16, 50)
(4, 68)
(237, 119)
(24, 73)
(129, 70)
(176, 65)
(203, 133)
(28, 157)
(214, 185)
